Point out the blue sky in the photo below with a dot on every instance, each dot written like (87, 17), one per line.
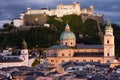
(10, 9)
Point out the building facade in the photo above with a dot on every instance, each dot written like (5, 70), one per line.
(68, 50)
(18, 60)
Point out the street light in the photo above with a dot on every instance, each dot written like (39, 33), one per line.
(36, 20)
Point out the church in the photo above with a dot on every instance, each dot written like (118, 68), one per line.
(17, 60)
(68, 50)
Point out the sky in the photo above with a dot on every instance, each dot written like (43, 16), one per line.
(10, 9)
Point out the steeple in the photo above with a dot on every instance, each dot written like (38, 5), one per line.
(109, 50)
(108, 28)
(67, 28)
(24, 44)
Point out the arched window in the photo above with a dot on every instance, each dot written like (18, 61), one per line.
(108, 54)
(63, 54)
(66, 43)
(108, 41)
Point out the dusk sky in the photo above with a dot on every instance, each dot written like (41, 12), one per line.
(10, 9)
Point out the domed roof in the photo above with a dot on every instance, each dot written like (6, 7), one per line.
(109, 26)
(67, 34)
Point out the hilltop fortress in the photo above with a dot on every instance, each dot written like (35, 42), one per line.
(60, 11)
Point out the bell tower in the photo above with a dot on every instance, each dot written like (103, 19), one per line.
(109, 50)
(24, 53)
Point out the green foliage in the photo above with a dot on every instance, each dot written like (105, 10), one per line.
(36, 62)
(44, 37)
(8, 27)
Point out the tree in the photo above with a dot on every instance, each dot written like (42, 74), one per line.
(36, 62)
(6, 25)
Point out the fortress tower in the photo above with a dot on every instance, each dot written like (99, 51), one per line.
(109, 53)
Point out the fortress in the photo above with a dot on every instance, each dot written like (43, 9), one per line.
(60, 11)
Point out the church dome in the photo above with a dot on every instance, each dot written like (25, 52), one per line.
(67, 34)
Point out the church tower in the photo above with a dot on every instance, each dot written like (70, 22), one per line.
(24, 53)
(109, 50)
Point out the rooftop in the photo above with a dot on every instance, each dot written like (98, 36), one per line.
(58, 47)
(81, 46)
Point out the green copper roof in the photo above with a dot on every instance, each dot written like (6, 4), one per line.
(67, 34)
(54, 47)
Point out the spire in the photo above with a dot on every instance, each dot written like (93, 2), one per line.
(24, 44)
(67, 28)
(109, 23)
(109, 26)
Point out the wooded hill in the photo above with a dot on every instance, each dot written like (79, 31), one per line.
(44, 37)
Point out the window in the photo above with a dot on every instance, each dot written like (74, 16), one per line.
(99, 61)
(91, 60)
(108, 41)
(63, 61)
(66, 43)
(52, 60)
(84, 60)
(108, 61)
(108, 54)
(63, 54)
(69, 54)
(77, 60)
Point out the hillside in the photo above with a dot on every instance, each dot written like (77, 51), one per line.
(43, 37)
